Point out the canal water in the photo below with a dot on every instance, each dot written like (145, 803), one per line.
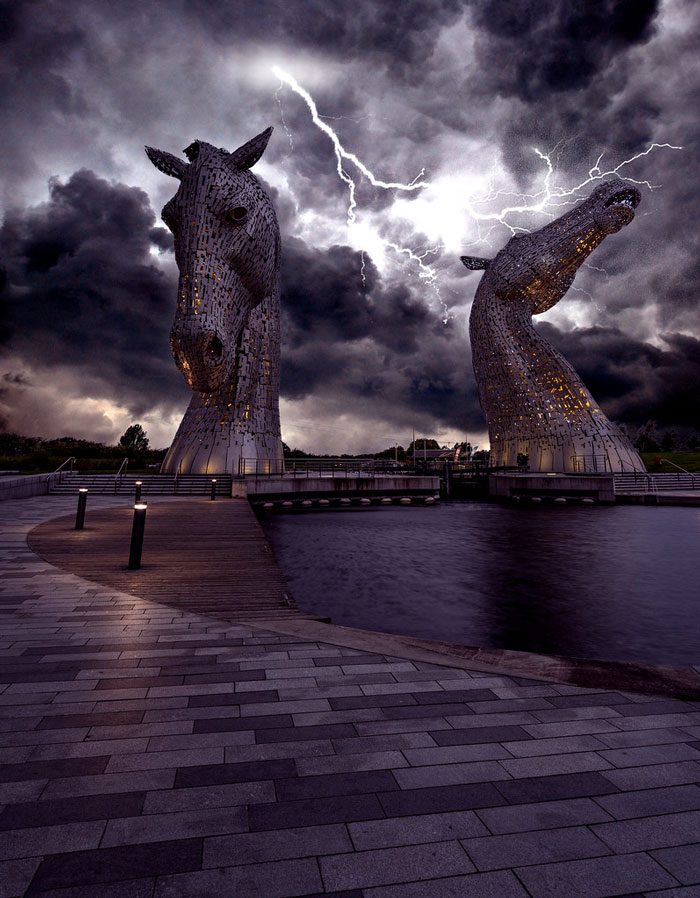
(618, 582)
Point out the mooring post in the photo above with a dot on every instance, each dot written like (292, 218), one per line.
(80, 514)
(137, 494)
(137, 535)
(448, 480)
(213, 490)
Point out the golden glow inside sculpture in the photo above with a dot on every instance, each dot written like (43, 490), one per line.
(226, 335)
(534, 402)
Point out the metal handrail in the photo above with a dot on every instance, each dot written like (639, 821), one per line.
(119, 476)
(669, 462)
(67, 461)
(59, 470)
(305, 467)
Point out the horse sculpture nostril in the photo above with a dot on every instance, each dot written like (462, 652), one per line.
(215, 349)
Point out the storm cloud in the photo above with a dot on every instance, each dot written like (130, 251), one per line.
(463, 90)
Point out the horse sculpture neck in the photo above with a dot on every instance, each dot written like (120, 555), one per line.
(534, 402)
(225, 336)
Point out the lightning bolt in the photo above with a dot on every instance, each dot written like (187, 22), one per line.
(547, 200)
(341, 153)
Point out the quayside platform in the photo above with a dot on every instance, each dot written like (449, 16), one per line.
(154, 751)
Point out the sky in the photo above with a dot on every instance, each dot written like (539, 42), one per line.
(469, 106)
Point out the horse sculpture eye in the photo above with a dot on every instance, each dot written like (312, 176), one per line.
(238, 214)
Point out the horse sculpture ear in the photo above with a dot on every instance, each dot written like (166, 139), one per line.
(166, 162)
(247, 155)
(474, 263)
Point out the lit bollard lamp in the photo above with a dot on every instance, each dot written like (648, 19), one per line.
(137, 494)
(80, 514)
(213, 490)
(137, 536)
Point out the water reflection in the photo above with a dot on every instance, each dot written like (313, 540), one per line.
(619, 582)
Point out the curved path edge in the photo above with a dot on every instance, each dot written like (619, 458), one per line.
(50, 540)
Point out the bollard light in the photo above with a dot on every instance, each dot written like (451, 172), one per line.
(137, 495)
(213, 490)
(80, 514)
(137, 535)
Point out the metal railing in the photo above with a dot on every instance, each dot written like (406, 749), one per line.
(60, 469)
(591, 464)
(652, 483)
(119, 476)
(320, 467)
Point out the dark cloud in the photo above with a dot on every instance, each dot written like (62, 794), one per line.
(82, 291)
(529, 50)
(370, 341)
(635, 381)
(399, 36)
(449, 85)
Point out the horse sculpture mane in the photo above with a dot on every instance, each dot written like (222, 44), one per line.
(534, 402)
(226, 334)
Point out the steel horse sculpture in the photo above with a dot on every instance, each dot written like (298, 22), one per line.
(534, 402)
(226, 335)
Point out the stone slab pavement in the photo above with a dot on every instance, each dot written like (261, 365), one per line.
(150, 752)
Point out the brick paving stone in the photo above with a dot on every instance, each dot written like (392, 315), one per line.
(355, 783)
(153, 760)
(595, 878)
(387, 742)
(175, 825)
(549, 765)
(15, 876)
(50, 839)
(683, 862)
(415, 830)
(479, 734)
(647, 802)
(14, 773)
(561, 745)
(477, 885)
(448, 774)
(454, 754)
(314, 811)
(662, 721)
(227, 795)
(455, 695)
(28, 790)
(109, 783)
(437, 799)
(377, 760)
(260, 847)
(217, 774)
(542, 815)
(71, 810)
(616, 739)
(115, 864)
(650, 754)
(540, 847)
(385, 727)
(386, 866)
(231, 724)
(678, 892)
(560, 714)
(282, 879)
(569, 728)
(650, 832)
(88, 749)
(655, 775)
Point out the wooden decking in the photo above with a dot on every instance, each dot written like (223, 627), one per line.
(199, 556)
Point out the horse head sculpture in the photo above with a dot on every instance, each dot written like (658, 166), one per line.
(225, 336)
(534, 403)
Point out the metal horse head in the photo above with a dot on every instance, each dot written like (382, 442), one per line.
(227, 248)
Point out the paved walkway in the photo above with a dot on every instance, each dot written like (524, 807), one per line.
(151, 752)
